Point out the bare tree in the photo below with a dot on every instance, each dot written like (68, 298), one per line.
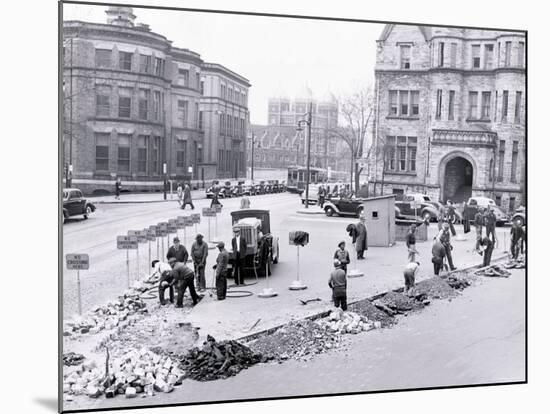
(356, 110)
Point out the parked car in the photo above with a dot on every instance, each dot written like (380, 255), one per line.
(74, 204)
(519, 216)
(426, 208)
(471, 207)
(344, 207)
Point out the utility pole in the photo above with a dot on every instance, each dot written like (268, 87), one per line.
(299, 128)
(252, 160)
(68, 179)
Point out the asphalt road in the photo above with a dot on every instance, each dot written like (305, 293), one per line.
(477, 338)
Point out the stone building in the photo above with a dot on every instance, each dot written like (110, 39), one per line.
(139, 108)
(450, 113)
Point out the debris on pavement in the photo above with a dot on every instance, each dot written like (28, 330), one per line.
(393, 303)
(372, 313)
(493, 271)
(72, 358)
(346, 322)
(218, 360)
(435, 288)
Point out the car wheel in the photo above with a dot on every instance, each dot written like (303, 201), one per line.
(88, 212)
(329, 211)
(520, 221)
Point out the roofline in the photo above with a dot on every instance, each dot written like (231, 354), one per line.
(216, 67)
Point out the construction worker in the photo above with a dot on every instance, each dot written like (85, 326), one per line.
(478, 222)
(338, 283)
(239, 245)
(178, 251)
(342, 255)
(410, 241)
(199, 253)
(490, 223)
(444, 237)
(438, 256)
(517, 237)
(221, 271)
(183, 279)
(451, 216)
(484, 246)
(166, 280)
(410, 274)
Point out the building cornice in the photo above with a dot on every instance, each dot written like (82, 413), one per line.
(465, 72)
(222, 70)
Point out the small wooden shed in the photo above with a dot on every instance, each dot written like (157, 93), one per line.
(380, 220)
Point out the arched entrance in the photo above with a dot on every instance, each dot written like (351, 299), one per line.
(457, 180)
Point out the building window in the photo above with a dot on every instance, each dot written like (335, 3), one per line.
(472, 99)
(489, 52)
(142, 142)
(517, 110)
(514, 167)
(123, 159)
(411, 154)
(393, 103)
(441, 54)
(102, 143)
(199, 155)
(154, 161)
(103, 58)
(521, 53)
(491, 167)
(507, 53)
(103, 101)
(476, 59)
(485, 105)
(181, 149)
(504, 106)
(182, 113)
(498, 200)
(159, 66)
(125, 61)
(451, 115)
(144, 63)
(405, 56)
(200, 120)
(143, 103)
(415, 97)
(498, 55)
(228, 161)
(501, 153)
(438, 103)
(400, 154)
(156, 105)
(512, 204)
(124, 102)
(220, 159)
(404, 103)
(184, 77)
(454, 47)
(202, 87)
(222, 91)
(496, 105)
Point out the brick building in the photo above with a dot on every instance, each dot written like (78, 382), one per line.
(134, 103)
(449, 117)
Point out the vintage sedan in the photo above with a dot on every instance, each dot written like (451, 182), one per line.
(471, 207)
(344, 207)
(425, 207)
(519, 216)
(74, 204)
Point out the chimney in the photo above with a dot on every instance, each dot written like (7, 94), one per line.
(120, 16)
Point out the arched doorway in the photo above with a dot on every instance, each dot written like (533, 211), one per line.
(457, 180)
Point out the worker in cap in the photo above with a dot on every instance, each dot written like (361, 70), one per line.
(338, 283)
(178, 251)
(444, 237)
(166, 280)
(199, 253)
(221, 271)
(342, 255)
(238, 244)
(360, 238)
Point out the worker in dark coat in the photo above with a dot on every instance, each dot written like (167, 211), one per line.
(118, 188)
(517, 237)
(187, 197)
(444, 237)
(342, 255)
(221, 271)
(166, 281)
(178, 251)
(490, 223)
(410, 242)
(361, 240)
(438, 255)
(199, 253)
(478, 222)
(338, 283)
(321, 194)
(183, 279)
(238, 244)
(484, 246)
(451, 216)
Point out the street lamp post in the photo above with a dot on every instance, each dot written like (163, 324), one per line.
(308, 123)
(252, 160)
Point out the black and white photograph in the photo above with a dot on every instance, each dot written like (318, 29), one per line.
(262, 206)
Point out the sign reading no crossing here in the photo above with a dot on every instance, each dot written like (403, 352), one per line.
(77, 261)
(126, 242)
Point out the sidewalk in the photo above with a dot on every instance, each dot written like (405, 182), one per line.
(233, 318)
(136, 198)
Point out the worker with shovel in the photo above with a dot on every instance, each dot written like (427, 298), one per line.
(484, 246)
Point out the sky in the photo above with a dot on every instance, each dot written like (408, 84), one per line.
(281, 57)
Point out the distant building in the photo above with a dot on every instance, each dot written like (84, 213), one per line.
(450, 118)
(134, 102)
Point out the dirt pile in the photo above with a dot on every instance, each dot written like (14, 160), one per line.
(347, 323)
(372, 313)
(218, 360)
(394, 303)
(435, 288)
(298, 340)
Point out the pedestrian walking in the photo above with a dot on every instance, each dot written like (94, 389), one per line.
(342, 255)
(451, 216)
(338, 283)
(517, 237)
(183, 279)
(245, 202)
(178, 251)
(361, 240)
(221, 271)
(215, 194)
(321, 194)
(444, 237)
(187, 197)
(478, 222)
(118, 188)
(238, 244)
(410, 275)
(490, 223)
(484, 246)
(410, 241)
(199, 253)
(438, 256)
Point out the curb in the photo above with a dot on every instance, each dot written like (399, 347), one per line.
(326, 313)
(140, 201)
(309, 212)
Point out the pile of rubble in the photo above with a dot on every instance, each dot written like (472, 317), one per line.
(135, 372)
(216, 360)
(347, 322)
(372, 313)
(298, 340)
(436, 288)
(458, 283)
(394, 303)
(493, 271)
(106, 317)
(71, 358)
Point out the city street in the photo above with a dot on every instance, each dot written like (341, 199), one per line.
(476, 338)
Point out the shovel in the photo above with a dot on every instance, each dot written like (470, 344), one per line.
(305, 302)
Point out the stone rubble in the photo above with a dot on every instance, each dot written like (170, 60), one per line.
(346, 322)
(72, 358)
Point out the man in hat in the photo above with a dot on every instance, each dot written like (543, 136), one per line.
(410, 241)
(444, 237)
(183, 279)
(361, 238)
(342, 255)
(199, 253)
(187, 197)
(490, 223)
(238, 244)
(410, 274)
(438, 255)
(338, 283)
(221, 271)
(178, 251)
(478, 222)
(451, 216)
(517, 238)
(484, 246)
(166, 280)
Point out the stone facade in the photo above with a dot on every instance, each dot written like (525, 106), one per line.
(449, 113)
(134, 103)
